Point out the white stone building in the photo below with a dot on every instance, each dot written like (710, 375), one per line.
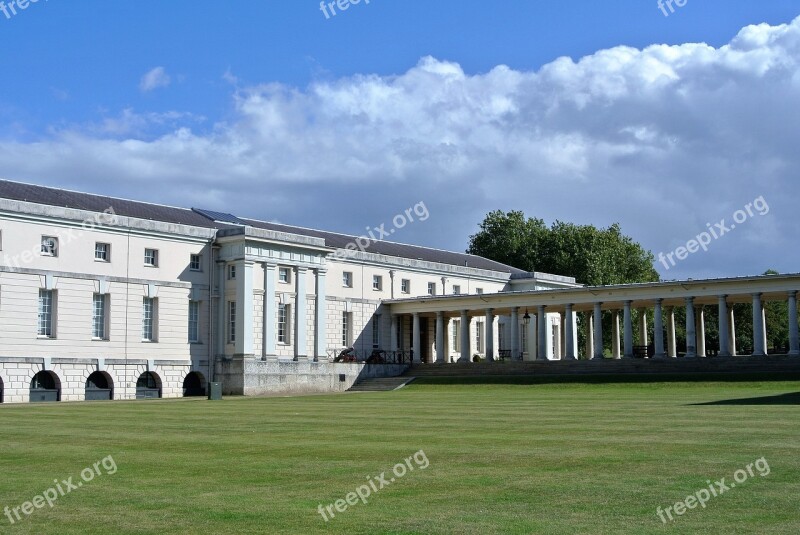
(105, 298)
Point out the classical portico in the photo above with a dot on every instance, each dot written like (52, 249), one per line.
(558, 308)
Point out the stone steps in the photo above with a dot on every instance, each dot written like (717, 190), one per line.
(770, 364)
(380, 384)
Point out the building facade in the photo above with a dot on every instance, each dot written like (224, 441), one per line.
(105, 298)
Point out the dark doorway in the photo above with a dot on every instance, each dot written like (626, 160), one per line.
(45, 387)
(424, 340)
(194, 385)
(99, 387)
(148, 386)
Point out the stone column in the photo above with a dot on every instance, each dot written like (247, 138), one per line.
(393, 342)
(270, 314)
(794, 331)
(643, 327)
(515, 352)
(732, 339)
(658, 330)
(615, 335)
(764, 327)
(627, 327)
(569, 330)
(465, 356)
(489, 333)
(724, 330)
(672, 343)
(320, 330)
(541, 324)
(700, 330)
(440, 336)
(589, 335)
(245, 306)
(301, 308)
(691, 336)
(598, 331)
(416, 345)
(759, 349)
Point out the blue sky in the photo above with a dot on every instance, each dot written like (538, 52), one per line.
(296, 113)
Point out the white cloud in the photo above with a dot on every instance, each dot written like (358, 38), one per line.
(154, 79)
(663, 140)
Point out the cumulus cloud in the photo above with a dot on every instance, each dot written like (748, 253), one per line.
(154, 79)
(663, 140)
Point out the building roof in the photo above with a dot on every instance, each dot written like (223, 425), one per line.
(212, 219)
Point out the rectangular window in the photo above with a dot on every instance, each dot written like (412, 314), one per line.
(456, 335)
(151, 257)
(284, 318)
(231, 322)
(148, 319)
(479, 291)
(232, 272)
(347, 279)
(285, 275)
(46, 313)
(194, 322)
(479, 337)
(376, 331)
(431, 288)
(49, 246)
(102, 252)
(195, 262)
(99, 317)
(346, 325)
(523, 331)
(405, 286)
(456, 289)
(377, 283)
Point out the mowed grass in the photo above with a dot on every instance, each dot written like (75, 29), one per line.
(568, 458)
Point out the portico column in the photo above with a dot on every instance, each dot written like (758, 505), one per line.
(589, 335)
(628, 330)
(440, 336)
(658, 330)
(700, 319)
(758, 326)
(541, 325)
(562, 333)
(794, 334)
(764, 327)
(615, 335)
(672, 344)
(598, 331)
(464, 336)
(416, 345)
(515, 333)
(569, 329)
(489, 335)
(691, 337)
(393, 342)
(300, 321)
(320, 330)
(724, 331)
(643, 327)
(732, 339)
(270, 314)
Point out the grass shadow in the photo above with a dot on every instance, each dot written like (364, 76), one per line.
(781, 399)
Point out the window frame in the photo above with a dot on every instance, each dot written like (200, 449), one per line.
(46, 321)
(284, 326)
(199, 262)
(431, 288)
(377, 283)
(149, 320)
(231, 323)
(347, 279)
(102, 317)
(405, 286)
(194, 322)
(106, 258)
(49, 250)
(153, 256)
(281, 272)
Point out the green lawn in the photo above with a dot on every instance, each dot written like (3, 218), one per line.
(552, 458)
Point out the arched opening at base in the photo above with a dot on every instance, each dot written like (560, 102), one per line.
(1, 389)
(148, 386)
(99, 387)
(45, 387)
(194, 385)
